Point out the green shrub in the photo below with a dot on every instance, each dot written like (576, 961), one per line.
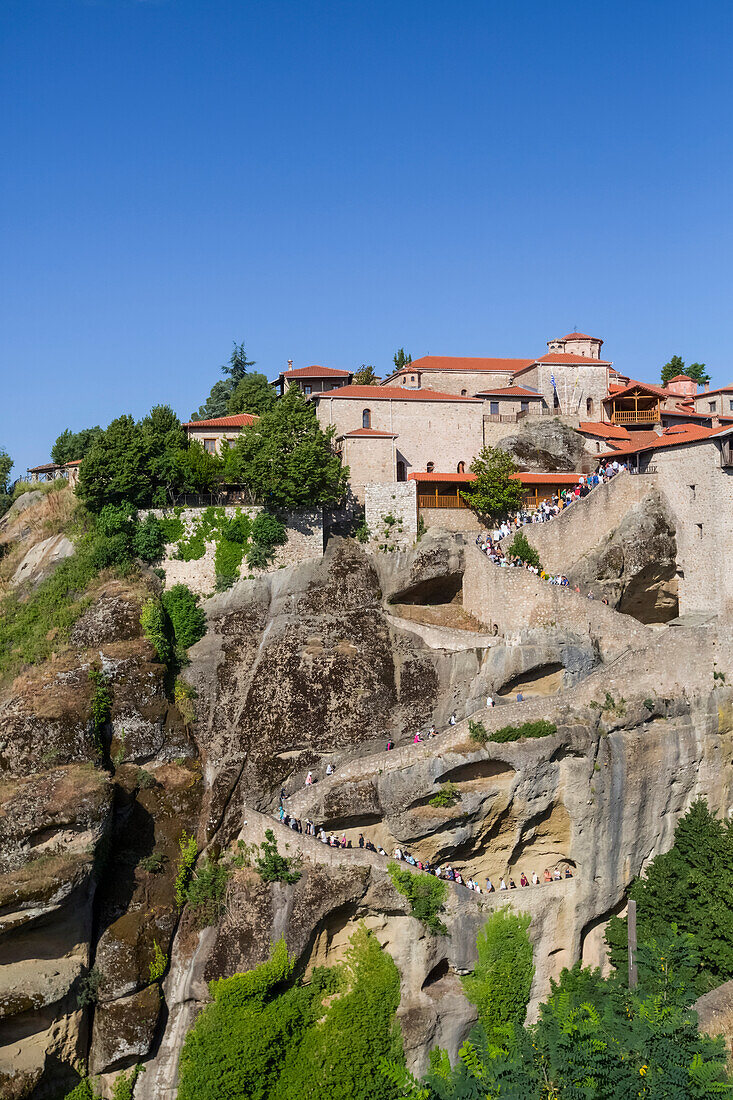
(425, 893)
(266, 1036)
(268, 531)
(520, 547)
(227, 560)
(156, 629)
(101, 704)
(361, 531)
(153, 863)
(447, 796)
(124, 1086)
(477, 732)
(500, 984)
(88, 992)
(189, 851)
(270, 865)
(171, 527)
(188, 621)
(82, 1091)
(148, 540)
(258, 557)
(185, 695)
(206, 891)
(158, 963)
(237, 529)
(192, 548)
(539, 728)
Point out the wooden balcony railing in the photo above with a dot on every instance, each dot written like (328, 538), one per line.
(638, 416)
(430, 500)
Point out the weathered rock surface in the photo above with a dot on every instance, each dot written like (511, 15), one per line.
(22, 504)
(547, 444)
(41, 560)
(634, 566)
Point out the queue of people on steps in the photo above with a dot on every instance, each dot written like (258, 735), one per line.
(444, 871)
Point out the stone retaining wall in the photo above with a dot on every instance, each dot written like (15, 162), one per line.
(516, 601)
(398, 499)
(304, 530)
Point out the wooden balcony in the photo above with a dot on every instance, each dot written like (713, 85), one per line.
(435, 500)
(636, 416)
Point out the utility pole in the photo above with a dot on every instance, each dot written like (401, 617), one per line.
(631, 929)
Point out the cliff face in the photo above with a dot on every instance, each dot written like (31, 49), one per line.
(308, 666)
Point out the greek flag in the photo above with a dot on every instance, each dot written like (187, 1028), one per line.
(554, 383)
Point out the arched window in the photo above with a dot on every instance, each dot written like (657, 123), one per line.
(464, 393)
(430, 467)
(461, 469)
(401, 470)
(589, 405)
(366, 418)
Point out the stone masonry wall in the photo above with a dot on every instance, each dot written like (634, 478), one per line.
(398, 499)
(304, 530)
(516, 601)
(567, 537)
(451, 519)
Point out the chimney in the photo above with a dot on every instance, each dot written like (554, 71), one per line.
(290, 364)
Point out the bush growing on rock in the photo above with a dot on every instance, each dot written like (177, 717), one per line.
(188, 621)
(447, 796)
(539, 728)
(500, 984)
(271, 865)
(520, 547)
(268, 1037)
(425, 894)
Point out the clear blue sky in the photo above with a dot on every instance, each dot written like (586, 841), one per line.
(330, 179)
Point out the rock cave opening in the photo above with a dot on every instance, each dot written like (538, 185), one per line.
(478, 769)
(541, 681)
(651, 595)
(433, 590)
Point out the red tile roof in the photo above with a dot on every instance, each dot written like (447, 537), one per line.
(680, 378)
(722, 389)
(392, 393)
(603, 431)
(670, 437)
(658, 391)
(511, 391)
(566, 357)
(368, 433)
(581, 336)
(74, 462)
(459, 479)
(678, 410)
(44, 468)
(457, 362)
(530, 477)
(315, 372)
(239, 420)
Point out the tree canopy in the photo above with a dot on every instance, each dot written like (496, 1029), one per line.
(252, 394)
(366, 376)
(676, 888)
(502, 978)
(6, 465)
(285, 459)
(402, 359)
(676, 366)
(71, 446)
(217, 403)
(494, 493)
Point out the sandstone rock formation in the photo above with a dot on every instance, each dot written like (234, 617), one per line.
(41, 560)
(547, 444)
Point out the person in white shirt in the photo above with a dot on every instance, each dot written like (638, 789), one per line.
(502, 885)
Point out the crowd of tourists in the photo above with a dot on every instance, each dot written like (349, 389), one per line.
(548, 509)
(444, 871)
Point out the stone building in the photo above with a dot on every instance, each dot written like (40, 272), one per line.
(715, 402)
(311, 379)
(212, 433)
(385, 432)
(693, 468)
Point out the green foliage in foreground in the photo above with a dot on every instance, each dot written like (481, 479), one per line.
(691, 886)
(425, 893)
(501, 981)
(6, 465)
(447, 796)
(539, 728)
(594, 1040)
(271, 866)
(520, 547)
(188, 621)
(495, 492)
(268, 1037)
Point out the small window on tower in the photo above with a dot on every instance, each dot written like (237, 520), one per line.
(307, 389)
(366, 418)
(430, 467)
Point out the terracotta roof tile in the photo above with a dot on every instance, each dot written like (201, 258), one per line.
(604, 431)
(458, 362)
(394, 393)
(511, 391)
(315, 372)
(580, 336)
(566, 357)
(671, 437)
(239, 420)
(368, 433)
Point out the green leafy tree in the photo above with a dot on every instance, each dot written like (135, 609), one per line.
(115, 468)
(197, 470)
(188, 621)
(217, 403)
(690, 886)
(502, 978)
(495, 492)
(425, 893)
(401, 359)
(271, 866)
(165, 443)
(676, 366)
(366, 376)
(520, 547)
(252, 394)
(70, 446)
(286, 459)
(6, 465)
